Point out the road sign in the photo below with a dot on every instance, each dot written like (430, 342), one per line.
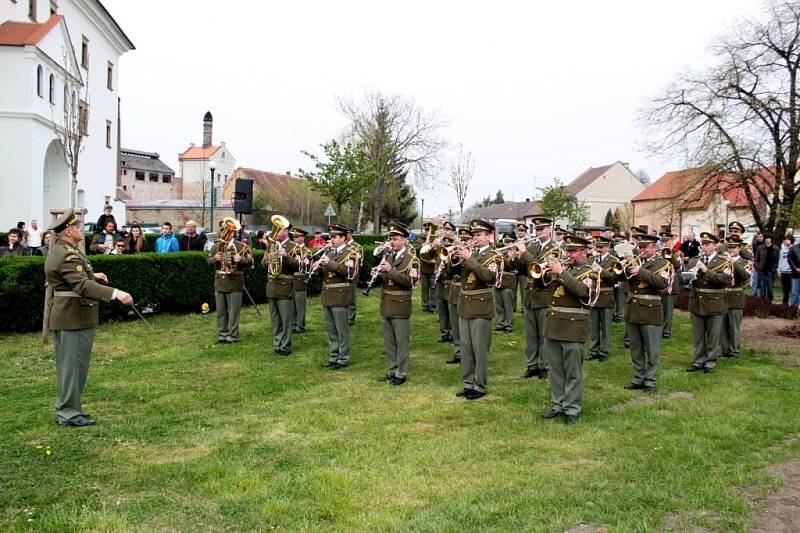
(329, 212)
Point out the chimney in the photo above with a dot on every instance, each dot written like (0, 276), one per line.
(208, 122)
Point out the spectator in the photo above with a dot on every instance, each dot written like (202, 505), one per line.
(136, 243)
(766, 261)
(794, 264)
(167, 243)
(317, 241)
(44, 249)
(120, 247)
(123, 232)
(15, 246)
(23, 228)
(690, 247)
(105, 217)
(261, 240)
(785, 269)
(34, 235)
(103, 242)
(192, 241)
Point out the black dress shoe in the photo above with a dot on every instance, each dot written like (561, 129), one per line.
(77, 422)
(222, 341)
(726, 355)
(708, 370)
(552, 413)
(462, 393)
(473, 394)
(602, 358)
(650, 389)
(633, 386)
(500, 328)
(665, 336)
(570, 419)
(454, 361)
(543, 374)
(444, 339)
(593, 357)
(626, 345)
(329, 364)
(530, 372)
(398, 381)
(694, 368)
(338, 366)
(508, 331)
(385, 377)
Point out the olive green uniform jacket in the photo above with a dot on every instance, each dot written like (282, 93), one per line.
(708, 289)
(336, 290)
(397, 283)
(644, 292)
(234, 281)
(537, 294)
(568, 318)
(734, 294)
(607, 279)
(477, 279)
(282, 286)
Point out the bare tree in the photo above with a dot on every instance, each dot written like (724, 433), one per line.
(741, 117)
(644, 176)
(74, 124)
(399, 138)
(462, 169)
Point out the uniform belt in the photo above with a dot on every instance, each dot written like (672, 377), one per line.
(576, 310)
(397, 293)
(646, 296)
(223, 273)
(455, 283)
(606, 289)
(283, 276)
(710, 290)
(334, 285)
(67, 294)
(475, 291)
(734, 289)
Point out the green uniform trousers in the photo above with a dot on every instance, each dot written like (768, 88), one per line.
(73, 353)
(338, 334)
(299, 323)
(476, 337)
(645, 353)
(600, 330)
(281, 313)
(668, 306)
(730, 337)
(706, 331)
(535, 356)
(445, 320)
(229, 305)
(351, 311)
(504, 307)
(396, 341)
(566, 375)
(619, 303)
(427, 291)
(455, 329)
(522, 282)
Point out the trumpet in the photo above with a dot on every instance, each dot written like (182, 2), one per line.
(621, 267)
(538, 270)
(447, 252)
(669, 253)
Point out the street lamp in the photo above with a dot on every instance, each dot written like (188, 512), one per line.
(212, 199)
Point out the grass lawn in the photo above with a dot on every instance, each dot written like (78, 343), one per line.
(196, 437)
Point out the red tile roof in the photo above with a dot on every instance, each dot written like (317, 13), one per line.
(198, 152)
(672, 184)
(586, 179)
(26, 33)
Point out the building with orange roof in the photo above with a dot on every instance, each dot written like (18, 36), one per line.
(50, 53)
(196, 161)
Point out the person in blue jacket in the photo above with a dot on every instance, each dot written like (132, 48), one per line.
(167, 243)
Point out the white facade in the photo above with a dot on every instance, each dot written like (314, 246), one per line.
(33, 172)
(197, 169)
(615, 186)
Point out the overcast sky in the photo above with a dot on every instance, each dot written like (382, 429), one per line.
(534, 89)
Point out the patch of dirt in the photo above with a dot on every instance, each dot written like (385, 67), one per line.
(761, 334)
(779, 512)
(688, 522)
(649, 400)
(587, 528)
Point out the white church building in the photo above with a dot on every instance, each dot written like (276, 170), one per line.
(59, 59)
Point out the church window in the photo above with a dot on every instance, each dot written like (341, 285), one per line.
(39, 80)
(52, 89)
(84, 52)
(139, 175)
(223, 155)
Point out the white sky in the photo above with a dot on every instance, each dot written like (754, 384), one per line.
(534, 89)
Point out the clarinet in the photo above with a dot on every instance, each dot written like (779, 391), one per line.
(375, 272)
(318, 263)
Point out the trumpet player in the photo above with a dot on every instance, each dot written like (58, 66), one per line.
(280, 261)
(602, 313)
(504, 294)
(442, 282)
(736, 229)
(398, 270)
(668, 299)
(707, 302)
(359, 255)
(479, 269)
(730, 337)
(454, 274)
(302, 255)
(536, 297)
(522, 273)
(643, 311)
(339, 267)
(567, 326)
(230, 258)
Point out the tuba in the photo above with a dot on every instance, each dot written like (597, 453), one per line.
(272, 258)
(228, 228)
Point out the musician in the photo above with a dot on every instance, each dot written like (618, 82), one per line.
(479, 269)
(280, 262)
(359, 253)
(339, 266)
(567, 326)
(537, 296)
(442, 284)
(602, 311)
(675, 257)
(398, 271)
(454, 274)
(560, 233)
(427, 272)
(730, 336)
(619, 297)
(522, 273)
(707, 302)
(504, 294)
(302, 255)
(230, 258)
(643, 311)
(634, 233)
(736, 229)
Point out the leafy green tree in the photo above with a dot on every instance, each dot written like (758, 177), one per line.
(558, 203)
(609, 219)
(498, 198)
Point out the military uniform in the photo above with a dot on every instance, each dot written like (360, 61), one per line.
(644, 316)
(707, 307)
(73, 317)
(730, 336)
(442, 284)
(300, 277)
(602, 312)
(475, 311)
(336, 298)
(228, 284)
(504, 297)
(359, 251)
(736, 229)
(280, 295)
(566, 329)
(427, 272)
(668, 297)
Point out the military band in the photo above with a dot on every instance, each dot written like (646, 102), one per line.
(230, 259)
(427, 272)
(281, 262)
(669, 297)
(359, 254)
(303, 257)
(740, 269)
(505, 292)
(441, 280)
(602, 313)
(339, 266)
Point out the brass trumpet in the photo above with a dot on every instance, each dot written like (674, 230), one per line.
(447, 253)
(538, 270)
(621, 267)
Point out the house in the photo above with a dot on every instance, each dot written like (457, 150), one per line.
(143, 176)
(195, 162)
(519, 211)
(604, 189)
(50, 54)
(691, 201)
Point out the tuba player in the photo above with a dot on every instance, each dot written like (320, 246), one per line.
(230, 258)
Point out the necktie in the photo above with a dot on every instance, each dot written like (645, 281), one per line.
(705, 260)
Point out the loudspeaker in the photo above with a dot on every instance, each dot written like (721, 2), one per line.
(243, 196)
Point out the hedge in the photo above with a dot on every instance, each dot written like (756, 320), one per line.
(178, 282)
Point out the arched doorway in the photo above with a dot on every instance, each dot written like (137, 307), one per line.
(55, 180)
